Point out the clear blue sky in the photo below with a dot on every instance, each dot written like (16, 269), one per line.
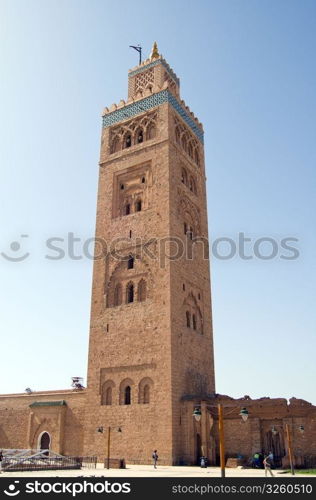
(247, 70)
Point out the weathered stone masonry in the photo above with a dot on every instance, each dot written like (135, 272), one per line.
(151, 340)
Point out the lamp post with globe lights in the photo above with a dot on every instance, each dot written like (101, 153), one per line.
(243, 414)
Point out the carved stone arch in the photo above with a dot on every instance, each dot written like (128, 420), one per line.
(107, 393)
(184, 176)
(190, 148)
(145, 390)
(177, 134)
(127, 139)
(130, 293)
(192, 184)
(116, 144)
(187, 209)
(184, 141)
(124, 394)
(142, 290)
(139, 135)
(192, 310)
(151, 131)
(118, 275)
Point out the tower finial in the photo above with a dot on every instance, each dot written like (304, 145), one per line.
(154, 52)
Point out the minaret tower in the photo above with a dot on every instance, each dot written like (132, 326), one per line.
(151, 331)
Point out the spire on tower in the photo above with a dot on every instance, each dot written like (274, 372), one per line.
(154, 52)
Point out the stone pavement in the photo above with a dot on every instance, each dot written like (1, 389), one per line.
(149, 471)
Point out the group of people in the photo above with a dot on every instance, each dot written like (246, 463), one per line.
(258, 460)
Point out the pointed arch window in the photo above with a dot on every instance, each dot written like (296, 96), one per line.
(128, 141)
(184, 176)
(115, 146)
(127, 395)
(194, 321)
(151, 131)
(177, 134)
(130, 293)
(130, 262)
(142, 292)
(138, 206)
(127, 209)
(196, 157)
(146, 394)
(118, 295)
(108, 396)
(140, 136)
(188, 319)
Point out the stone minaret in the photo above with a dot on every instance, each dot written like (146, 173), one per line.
(151, 328)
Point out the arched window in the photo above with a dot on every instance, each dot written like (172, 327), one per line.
(115, 146)
(188, 318)
(184, 176)
(118, 295)
(128, 141)
(146, 394)
(138, 206)
(190, 150)
(185, 228)
(129, 293)
(139, 136)
(130, 262)
(151, 131)
(145, 390)
(107, 392)
(194, 321)
(196, 157)
(141, 292)
(184, 143)
(127, 209)
(127, 395)
(177, 134)
(108, 396)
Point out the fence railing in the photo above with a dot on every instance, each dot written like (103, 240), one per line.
(47, 463)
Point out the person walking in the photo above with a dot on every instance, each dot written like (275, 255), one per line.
(267, 462)
(155, 458)
(1, 458)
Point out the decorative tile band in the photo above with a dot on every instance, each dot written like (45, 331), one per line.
(151, 65)
(148, 103)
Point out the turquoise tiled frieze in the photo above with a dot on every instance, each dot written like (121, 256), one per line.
(148, 103)
(151, 65)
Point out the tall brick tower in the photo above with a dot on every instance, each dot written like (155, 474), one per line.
(151, 330)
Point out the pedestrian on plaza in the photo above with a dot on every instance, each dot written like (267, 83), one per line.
(267, 462)
(155, 458)
(1, 458)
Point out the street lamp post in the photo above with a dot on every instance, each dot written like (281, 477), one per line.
(243, 414)
(221, 439)
(289, 442)
(101, 429)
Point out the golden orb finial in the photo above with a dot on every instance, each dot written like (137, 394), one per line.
(154, 52)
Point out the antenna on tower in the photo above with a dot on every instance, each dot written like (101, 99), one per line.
(138, 48)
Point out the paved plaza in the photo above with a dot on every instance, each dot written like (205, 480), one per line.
(149, 471)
